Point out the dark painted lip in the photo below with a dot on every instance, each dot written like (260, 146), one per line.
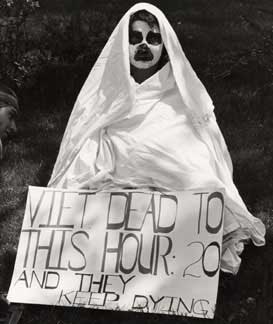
(147, 56)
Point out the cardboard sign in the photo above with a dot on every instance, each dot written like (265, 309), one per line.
(124, 250)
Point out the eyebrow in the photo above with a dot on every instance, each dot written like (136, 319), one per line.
(135, 32)
(154, 34)
(13, 112)
(139, 33)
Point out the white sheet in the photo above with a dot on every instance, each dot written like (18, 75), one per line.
(162, 134)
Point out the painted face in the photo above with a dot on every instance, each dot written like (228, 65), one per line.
(145, 45)
(7, 121)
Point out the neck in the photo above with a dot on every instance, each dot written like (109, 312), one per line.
(140, 75)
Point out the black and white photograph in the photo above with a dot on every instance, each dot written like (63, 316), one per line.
(136, 161)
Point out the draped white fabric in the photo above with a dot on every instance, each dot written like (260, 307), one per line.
(161, 134)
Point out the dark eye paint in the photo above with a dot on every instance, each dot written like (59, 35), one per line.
(154, 38)
(135, 37)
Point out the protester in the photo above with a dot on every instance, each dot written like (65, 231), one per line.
(8, 112)
(143, 119)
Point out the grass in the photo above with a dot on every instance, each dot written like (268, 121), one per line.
(219, 42)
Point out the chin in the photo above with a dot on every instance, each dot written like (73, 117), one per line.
(143, 65)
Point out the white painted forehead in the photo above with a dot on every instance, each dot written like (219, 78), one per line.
(136, 16)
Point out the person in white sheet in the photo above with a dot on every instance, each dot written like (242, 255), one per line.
(8, 112)
(143, 119)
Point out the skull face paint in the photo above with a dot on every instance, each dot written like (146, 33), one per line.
(145, 45)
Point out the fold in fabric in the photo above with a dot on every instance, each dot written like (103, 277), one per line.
(161, 133)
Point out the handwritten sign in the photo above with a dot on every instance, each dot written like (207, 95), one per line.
(127, 250)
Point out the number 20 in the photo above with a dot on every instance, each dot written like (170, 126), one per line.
(202, 258)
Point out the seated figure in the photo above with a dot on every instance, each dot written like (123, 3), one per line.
(143, 119)
(8, 111)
